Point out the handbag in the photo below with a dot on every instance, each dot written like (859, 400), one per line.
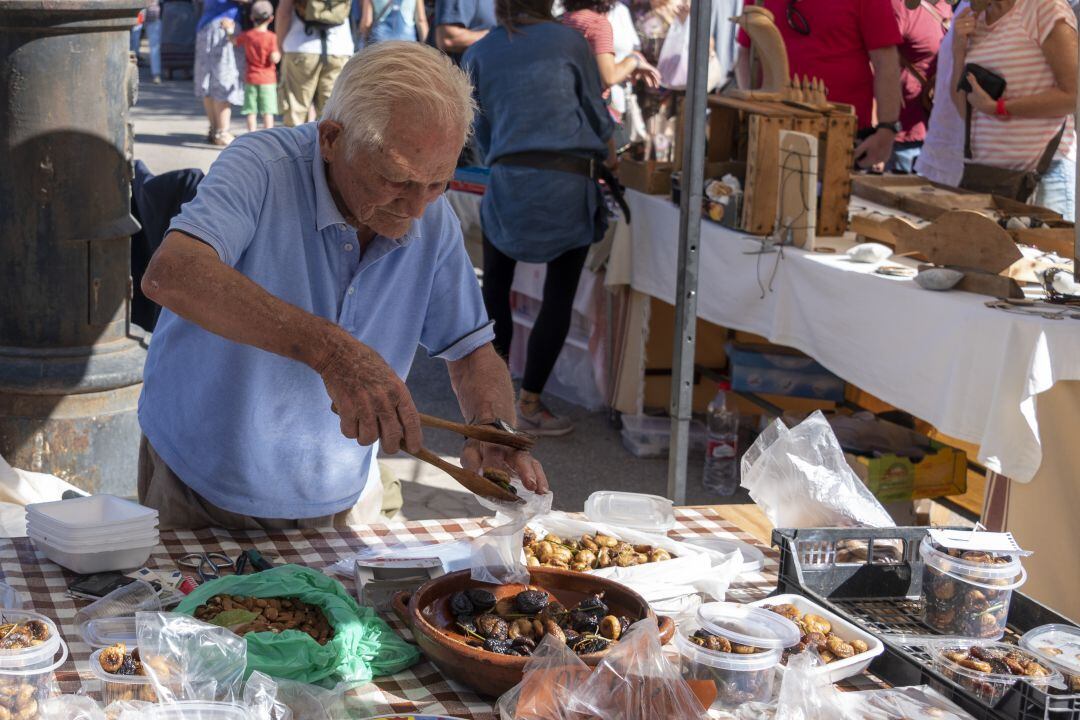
(1016, 184)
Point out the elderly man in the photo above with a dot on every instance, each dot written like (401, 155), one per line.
(303, 276)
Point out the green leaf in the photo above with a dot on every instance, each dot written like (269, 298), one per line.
(233, 618)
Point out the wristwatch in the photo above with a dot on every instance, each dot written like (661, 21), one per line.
(896, 127)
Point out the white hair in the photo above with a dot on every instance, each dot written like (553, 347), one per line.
(399, 76)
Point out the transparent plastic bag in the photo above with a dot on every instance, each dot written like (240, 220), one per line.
(497, 555)
(551, 674)
(187, 659)
(901, 704)
(799, 478)
(127, 710)
(635, 681)
(70, 707)
(805, 695)
(280, 699)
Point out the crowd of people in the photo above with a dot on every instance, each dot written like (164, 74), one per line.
(981, 97)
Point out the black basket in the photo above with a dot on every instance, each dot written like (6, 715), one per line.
(880, 591)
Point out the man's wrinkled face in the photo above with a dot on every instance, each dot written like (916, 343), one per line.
(385, 189)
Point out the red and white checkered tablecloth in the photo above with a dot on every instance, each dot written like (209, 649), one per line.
(419, 689)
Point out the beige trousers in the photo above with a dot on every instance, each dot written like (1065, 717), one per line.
(307, 78)
(181, 508)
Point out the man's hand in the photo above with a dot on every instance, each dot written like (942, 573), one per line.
(478, 456)
(874, 150)
(371, 400)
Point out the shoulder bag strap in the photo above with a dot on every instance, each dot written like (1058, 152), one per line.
(967, 131)
(1051, 148)
(942, 20)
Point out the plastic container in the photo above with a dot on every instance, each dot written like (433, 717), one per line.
(840, 669)
(988, 687)
(724, 680)
(92, 512)
(649, 436)
(26, 675)
(195, 710)
(748, 625)
(102, 545)
(753, 557)
(637, 511)
(721, 471)
(968, 598)
(104, 533)
(1059, 647)
(111, 619)
(94, 561)
(121, 687)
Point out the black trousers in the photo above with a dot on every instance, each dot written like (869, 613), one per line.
(553, 322)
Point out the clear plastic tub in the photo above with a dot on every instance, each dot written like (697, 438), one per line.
(721, 680)
(968, 595)
(989, 687)
(1059, 647)
(121, 687)
(194, 710)
(637, 511)
(36, 656)
(111, 619)
(26, 676)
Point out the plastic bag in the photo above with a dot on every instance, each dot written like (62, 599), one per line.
(550, 676)
(692, 569)
(635, 681)
(187, 659)
(497, 556)
(70, 707)
(674, 60)
(279, 699)
(902, 704)
(805, 695)
(363, 645)
(799, 478)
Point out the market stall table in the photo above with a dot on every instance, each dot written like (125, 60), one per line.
(420, 688)
(1006, 382)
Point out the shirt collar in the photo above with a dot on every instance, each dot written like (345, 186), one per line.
(326, 210)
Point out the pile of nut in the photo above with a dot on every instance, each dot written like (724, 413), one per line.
(991, 660)
(718, 643)
(245, 615)
(516, 624)
(589, 552)
(817, 632)
(116, 660)
(18, 700)
(959, 608)
(24, 634)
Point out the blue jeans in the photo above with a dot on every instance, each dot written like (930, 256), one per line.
(153, 39)
(903, 158)
(392, 26)
(1057, 189)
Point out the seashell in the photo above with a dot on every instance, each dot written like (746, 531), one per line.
(938, 278)
(869, 253)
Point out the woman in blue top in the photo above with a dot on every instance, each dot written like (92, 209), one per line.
(544, 129)
(217, 67)
(393, 20)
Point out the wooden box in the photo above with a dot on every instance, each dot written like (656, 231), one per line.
(648, 176)
(749, 131)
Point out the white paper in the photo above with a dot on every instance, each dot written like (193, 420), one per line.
(976, 540)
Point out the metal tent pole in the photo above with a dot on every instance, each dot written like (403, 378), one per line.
(693, 180)
(1076, 202)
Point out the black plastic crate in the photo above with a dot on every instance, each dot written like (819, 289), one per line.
(880, 590)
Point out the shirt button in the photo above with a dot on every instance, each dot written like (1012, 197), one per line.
(347, 247)
(352, 291)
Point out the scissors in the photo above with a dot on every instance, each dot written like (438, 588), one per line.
(208, 565)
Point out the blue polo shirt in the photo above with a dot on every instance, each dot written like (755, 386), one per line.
(251, 431)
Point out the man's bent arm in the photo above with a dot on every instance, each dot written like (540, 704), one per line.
(456, 38)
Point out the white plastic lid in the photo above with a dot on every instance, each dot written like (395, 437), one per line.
(751, 662)
(753, 558)
(1000, 576)
(100, 674)
(103, 632)
(1057, 644)
(92, 511)
(748, 625)
(84, 547)
(195, 710)
(637, 511)
(31, 657)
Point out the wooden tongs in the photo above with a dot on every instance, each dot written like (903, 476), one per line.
(497, 433)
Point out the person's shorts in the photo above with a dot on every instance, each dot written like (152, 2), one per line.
(260, 100)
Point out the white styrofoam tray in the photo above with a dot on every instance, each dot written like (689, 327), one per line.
(93, 511)
(840, 669)
(87, 563)
(106, 532)
(81, 547)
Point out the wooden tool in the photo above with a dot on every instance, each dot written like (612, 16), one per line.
(768, 47)
(497, 433)
(476, 484)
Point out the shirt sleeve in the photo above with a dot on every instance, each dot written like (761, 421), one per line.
(456, 322)
(600, 35)
(878, 25)
(454, 12)
(226, 208)
(1043, 15)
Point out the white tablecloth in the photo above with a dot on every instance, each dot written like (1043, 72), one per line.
(973, 372)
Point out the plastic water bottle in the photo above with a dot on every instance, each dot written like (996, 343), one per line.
(721, 451)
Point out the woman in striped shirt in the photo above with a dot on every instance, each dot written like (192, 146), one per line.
(1032, 44)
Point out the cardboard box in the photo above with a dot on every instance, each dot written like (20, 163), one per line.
(781, 371)
(648, 176)
(892, 478)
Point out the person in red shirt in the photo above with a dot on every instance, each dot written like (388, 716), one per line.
(923, 28)
(262, 55)
(851, 46)
(589, 17)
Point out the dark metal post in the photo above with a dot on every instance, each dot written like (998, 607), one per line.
(693, 180)
(70, 371)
